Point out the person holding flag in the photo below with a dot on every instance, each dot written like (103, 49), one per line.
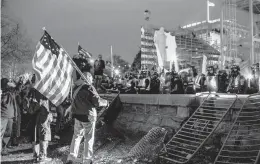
(53, 69)
(85, 99)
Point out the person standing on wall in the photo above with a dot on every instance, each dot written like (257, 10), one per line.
(99, 67)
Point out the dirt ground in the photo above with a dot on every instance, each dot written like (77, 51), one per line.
(107, 150)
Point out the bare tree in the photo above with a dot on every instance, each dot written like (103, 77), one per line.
(119, 62)
(15, 47)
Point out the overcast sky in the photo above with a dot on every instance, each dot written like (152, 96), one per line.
(97, 24)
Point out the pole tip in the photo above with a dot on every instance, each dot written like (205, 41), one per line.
(44, 28)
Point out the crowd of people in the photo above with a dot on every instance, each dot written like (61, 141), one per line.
(184, 82)
(26, 112)
(25, 108)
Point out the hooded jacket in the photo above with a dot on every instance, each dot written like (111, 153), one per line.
(84, 100)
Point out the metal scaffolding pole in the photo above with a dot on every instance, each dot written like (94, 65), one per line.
(222, 61)
(251, 32)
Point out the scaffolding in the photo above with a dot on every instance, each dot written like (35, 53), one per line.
(148, 50)
(229, 42)
(253, 8)
(192, 46)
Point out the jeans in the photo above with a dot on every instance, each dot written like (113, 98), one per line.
(6, 131)
(86, 130)
(98, 79)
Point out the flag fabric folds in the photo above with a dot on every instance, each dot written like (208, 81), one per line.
(211, 4)
(113, 111)
(147, 14)
(53, 69)
(84, 53)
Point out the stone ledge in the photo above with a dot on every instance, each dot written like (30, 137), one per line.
(181, 100)
(142, 112)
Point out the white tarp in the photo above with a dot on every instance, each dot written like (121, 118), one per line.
(160, 44)
(171, 50)
(204, 65)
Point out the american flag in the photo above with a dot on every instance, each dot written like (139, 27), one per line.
(84, 53)
(53, 70)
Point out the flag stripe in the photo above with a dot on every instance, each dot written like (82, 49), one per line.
(65, 89)
(53, 70)
(45, 72)
(63, 78)
(46, 75)
(55, 73)
(84, 52)
(59, 99)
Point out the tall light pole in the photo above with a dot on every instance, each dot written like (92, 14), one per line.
(251, 32)
(222, 61)
(112, 61)
(207, 10)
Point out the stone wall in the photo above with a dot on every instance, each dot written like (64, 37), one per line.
(142, 112)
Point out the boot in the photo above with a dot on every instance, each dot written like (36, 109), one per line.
(87, 161)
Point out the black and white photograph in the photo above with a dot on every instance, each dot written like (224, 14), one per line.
(130, 82)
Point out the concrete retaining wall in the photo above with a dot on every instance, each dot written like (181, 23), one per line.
(142, 112)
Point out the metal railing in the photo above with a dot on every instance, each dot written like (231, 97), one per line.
(242, 144)
(198, 128)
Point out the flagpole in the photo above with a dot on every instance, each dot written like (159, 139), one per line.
(78, 48)
(207, 10)
(73, 64)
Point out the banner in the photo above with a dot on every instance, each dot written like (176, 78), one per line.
(160, 43)
(171, 50)
(204, 65)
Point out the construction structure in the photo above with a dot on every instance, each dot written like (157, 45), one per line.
(210, 33)
(148, 50)
(197, 129)
(197, 40)
(253, 8)
(223, 41)
(229, 42)
(190, 49)
(242, 145)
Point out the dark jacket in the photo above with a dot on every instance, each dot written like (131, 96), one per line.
(86, 99)
(155, 86)
(99, 66)
(8, 104)
(177, 86)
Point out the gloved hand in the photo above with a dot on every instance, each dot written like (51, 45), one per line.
(68, 112)
(103, 102)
